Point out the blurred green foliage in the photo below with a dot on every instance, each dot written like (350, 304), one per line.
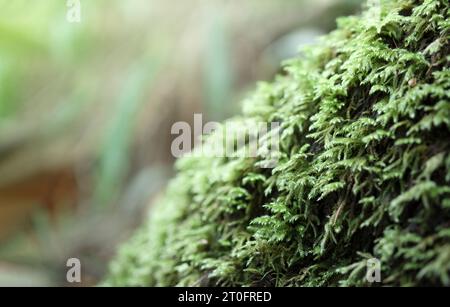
(54, 74)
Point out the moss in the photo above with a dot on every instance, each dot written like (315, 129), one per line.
(364, 171)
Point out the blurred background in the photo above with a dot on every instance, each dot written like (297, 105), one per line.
(86, 110)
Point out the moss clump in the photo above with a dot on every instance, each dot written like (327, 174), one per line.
(364, 171)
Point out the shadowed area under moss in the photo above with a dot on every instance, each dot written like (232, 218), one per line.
(363, 171)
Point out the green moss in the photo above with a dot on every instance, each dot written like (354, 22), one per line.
(364, 171)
